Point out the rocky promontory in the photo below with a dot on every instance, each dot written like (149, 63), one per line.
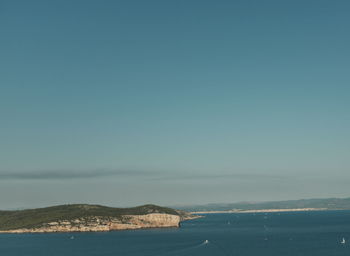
(84, 218)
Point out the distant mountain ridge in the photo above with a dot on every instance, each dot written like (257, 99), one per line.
(322, 203)
(84, 217)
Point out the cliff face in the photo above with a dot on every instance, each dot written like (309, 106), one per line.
(153, 220)
(96, 223)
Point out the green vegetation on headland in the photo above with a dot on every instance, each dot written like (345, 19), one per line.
(324, 204)
(36, 218)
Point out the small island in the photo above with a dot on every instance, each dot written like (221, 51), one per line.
(89, 218)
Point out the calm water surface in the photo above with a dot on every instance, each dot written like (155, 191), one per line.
(302, 233)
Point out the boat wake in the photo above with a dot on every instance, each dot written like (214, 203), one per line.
(197, 249)
(186, 249)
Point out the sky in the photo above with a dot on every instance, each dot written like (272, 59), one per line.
(124, 103)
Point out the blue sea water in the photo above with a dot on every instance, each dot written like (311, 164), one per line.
(293, 233)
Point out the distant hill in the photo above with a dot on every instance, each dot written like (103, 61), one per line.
(326, 203)
(83, 217)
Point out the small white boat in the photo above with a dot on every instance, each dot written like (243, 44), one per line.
(206, 241)
(343, 241)
(72, 237)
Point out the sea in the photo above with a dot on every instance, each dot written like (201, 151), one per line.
(318, 233)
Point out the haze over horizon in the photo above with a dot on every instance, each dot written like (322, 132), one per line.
(125, 103)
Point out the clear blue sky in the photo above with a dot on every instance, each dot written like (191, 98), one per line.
(173, 102)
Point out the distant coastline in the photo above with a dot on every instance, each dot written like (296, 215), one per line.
(317, 204)
(262, 210)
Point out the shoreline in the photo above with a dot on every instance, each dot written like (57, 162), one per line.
(83, 231)
(103, 228)
(262, 210)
